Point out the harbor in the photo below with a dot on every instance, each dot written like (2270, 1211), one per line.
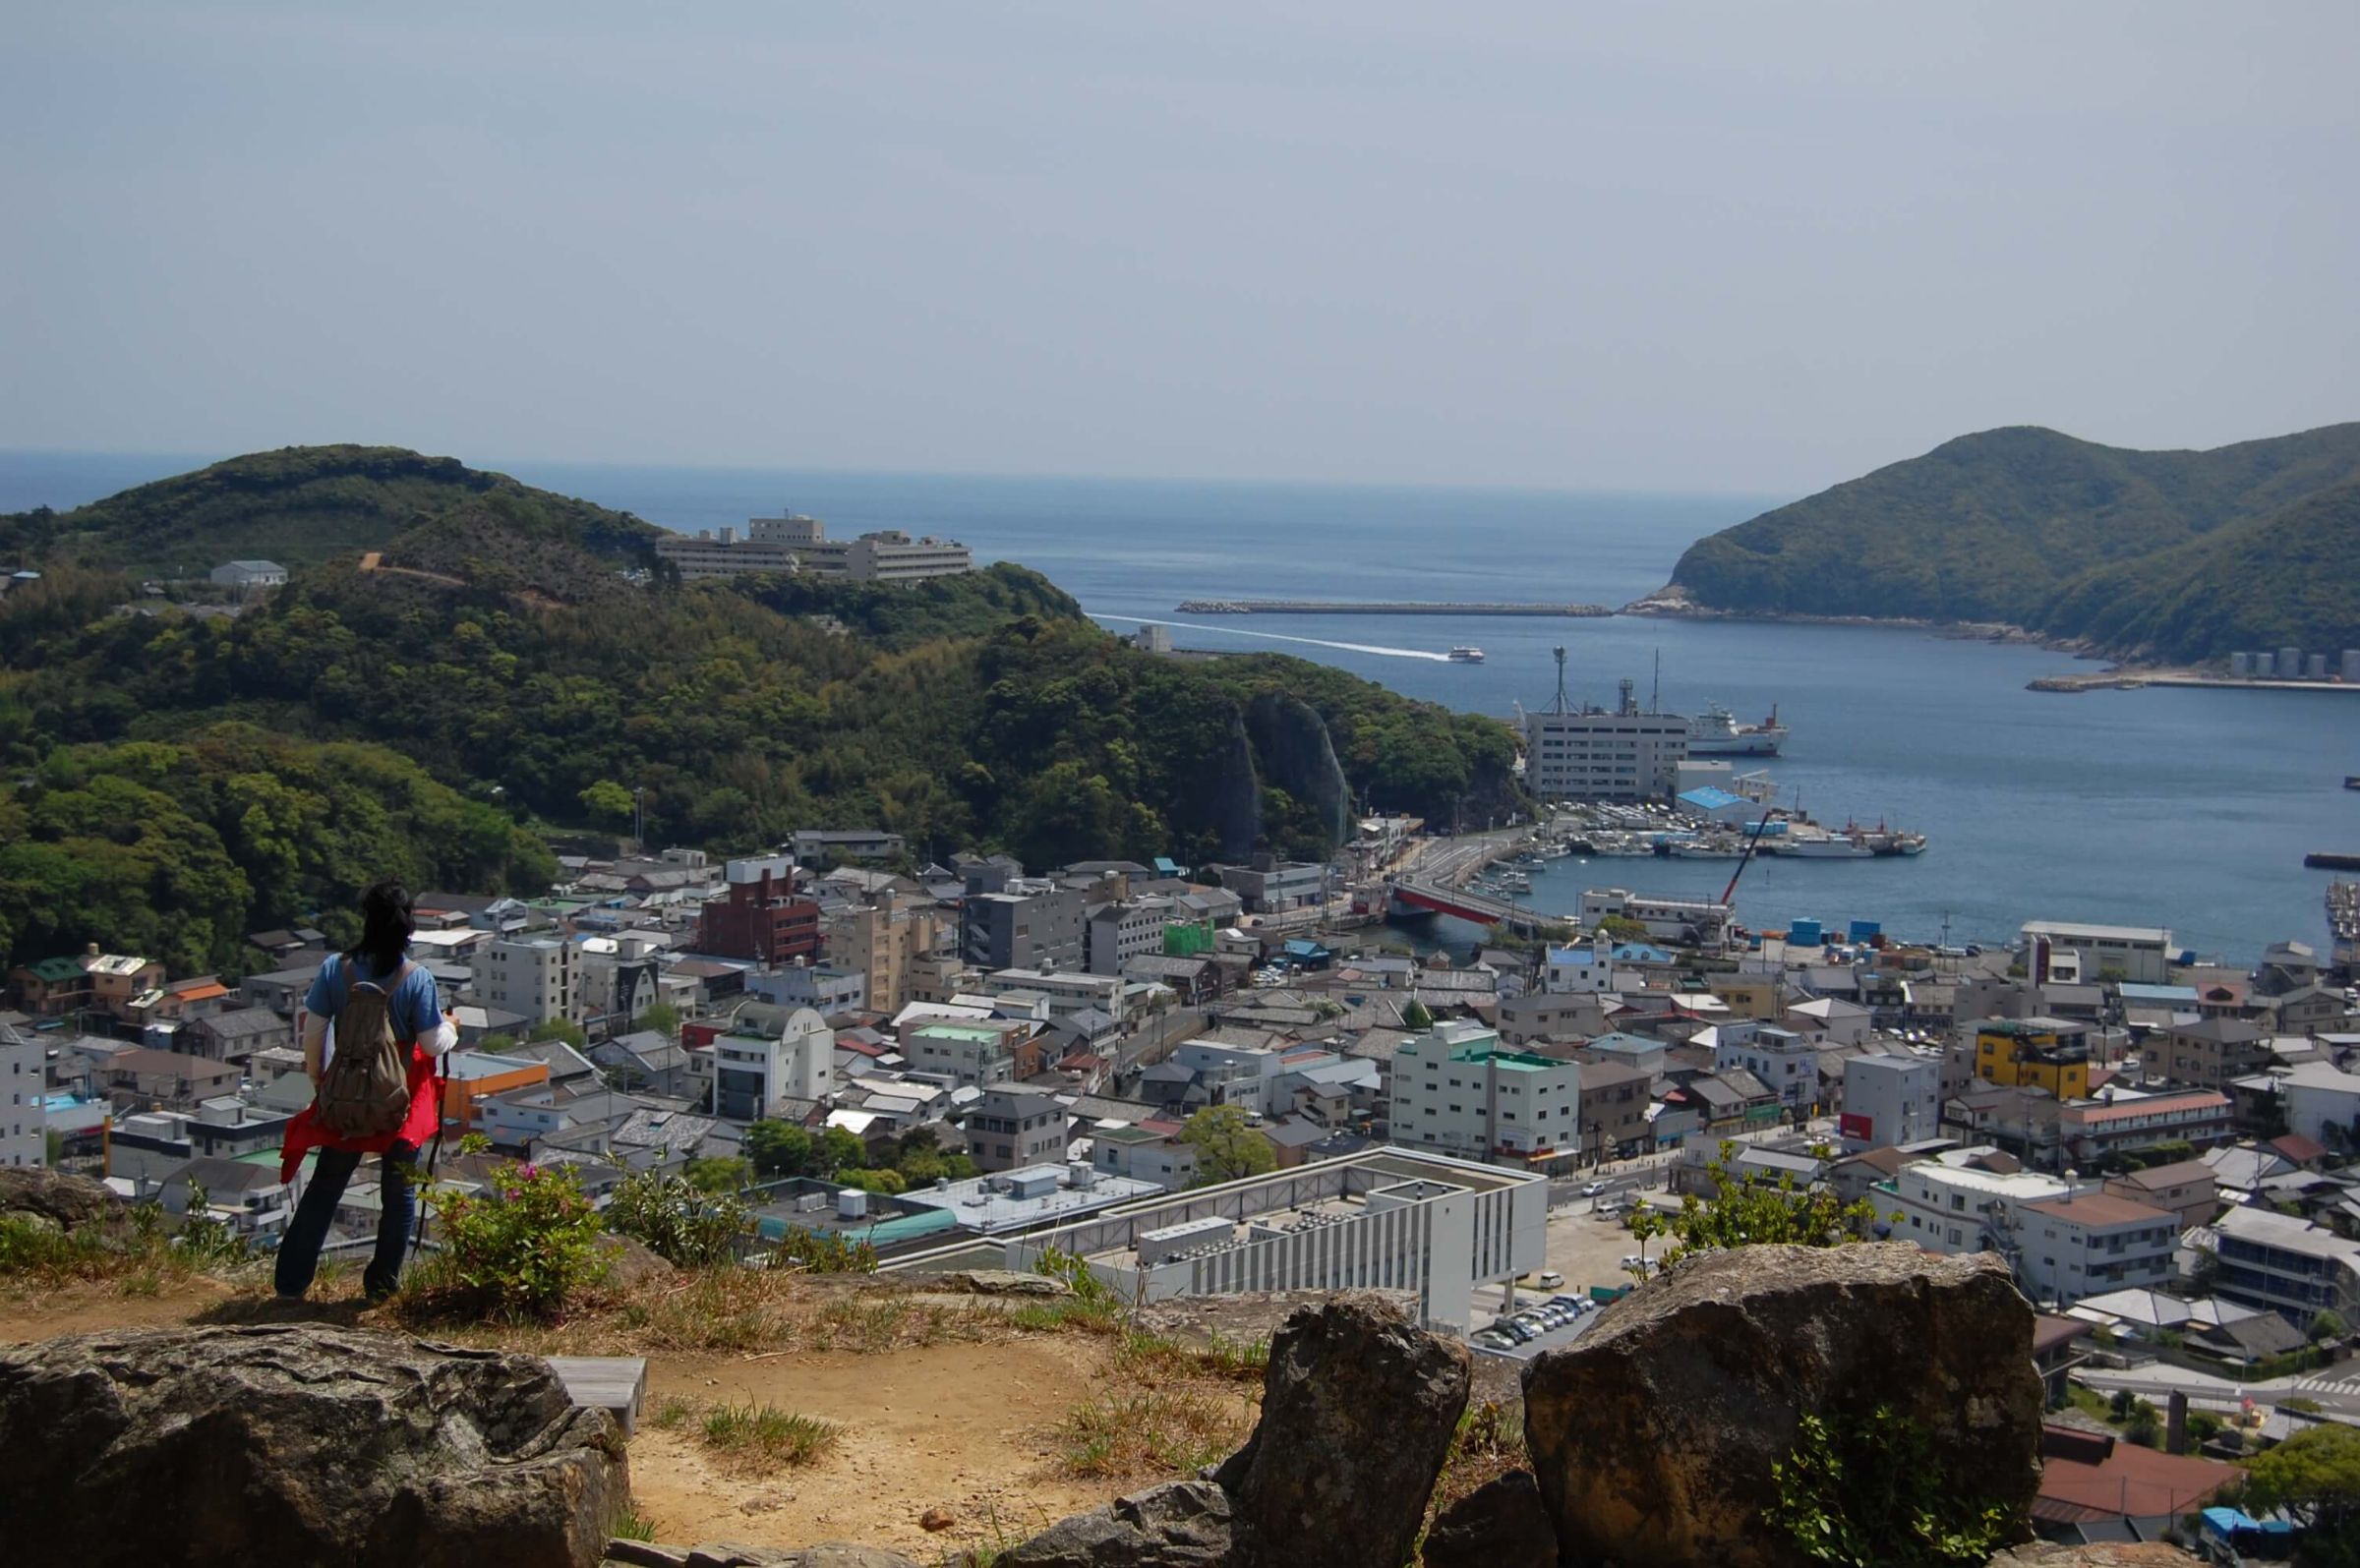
(1383, 606)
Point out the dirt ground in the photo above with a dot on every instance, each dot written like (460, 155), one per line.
(965, 1428)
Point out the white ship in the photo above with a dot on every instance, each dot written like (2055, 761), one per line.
(1826, 847)
(1714, 734)
(1466, 654)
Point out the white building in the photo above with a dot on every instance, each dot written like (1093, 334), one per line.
(1689, 921)
(2287, 1264)
(1574, 969)
(1618, 757)
(1068, 994)
(770, 1054)
(1456, 1090)
(2091, 1244)
(1144, 1156)
(23, 1087)
(1890, 1100)
(2141, 955)
(2322, 1103)
(965, 1051)
(1387, 1219)
(249, 574)
(1948, 1206)
(796, 544)
(1785, 1061)
(1113, 934)
(533, 977)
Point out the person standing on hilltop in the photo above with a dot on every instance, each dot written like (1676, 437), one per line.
(372, 1090)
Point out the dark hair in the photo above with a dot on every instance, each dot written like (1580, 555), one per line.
(386, 926)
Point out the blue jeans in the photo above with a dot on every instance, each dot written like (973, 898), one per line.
(307, 1232)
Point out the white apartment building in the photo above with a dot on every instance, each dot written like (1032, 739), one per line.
(22, 1130)
(1616, 757)
(2091, 1244)
(2323, 1102)
(771, 1054)
(1890, 1100)
(1144, 1156)
(1456, 1090)
(1949, 1206)
(1786, 1061)
(965, 1051)
(1687, 920)
(534, 977)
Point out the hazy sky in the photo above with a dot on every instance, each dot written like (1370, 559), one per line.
(1747, 245)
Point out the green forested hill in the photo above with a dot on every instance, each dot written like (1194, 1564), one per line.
(2024, 525)
(298, 507)
(495, 676)
(2290, 578)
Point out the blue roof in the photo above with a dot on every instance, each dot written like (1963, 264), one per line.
(1706, 798)
(1299, 947)
(1169, 866)
(1641, 953)
(2132, 992)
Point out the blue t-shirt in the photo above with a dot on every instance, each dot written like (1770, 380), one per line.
(415, 1007)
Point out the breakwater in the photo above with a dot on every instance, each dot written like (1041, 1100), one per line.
(1379, 607)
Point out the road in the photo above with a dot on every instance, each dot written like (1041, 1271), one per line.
(2336, 1389)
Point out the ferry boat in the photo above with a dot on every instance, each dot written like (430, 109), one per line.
(1714, 734)
(1826, 847)
(1465, 654)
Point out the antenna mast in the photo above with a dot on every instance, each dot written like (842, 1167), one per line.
(1559, 654)
(1655, 696)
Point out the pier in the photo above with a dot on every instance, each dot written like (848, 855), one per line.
(1379, 607)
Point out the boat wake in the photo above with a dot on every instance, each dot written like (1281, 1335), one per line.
(1278, 638)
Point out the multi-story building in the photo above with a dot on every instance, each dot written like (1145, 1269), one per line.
(771, 1053)
(2091, 1244)
(846, 844)
(1545, 1016)
(760, 915)
(2095, 1130)
(1889, 1100)
(2211, 1053)
(1113, 934)
(2288, 1265)
(250, 1199)
(977, 1051)
(2186, 1189)
(1969, 1200)
(796, 544)
(2322, 1103)
(22, 1098)
(2138, 953)
(1587, 968)
(1589, 754)
(1457, 1089)
(1039, 928)
(1144, 1156)
(1781, 1058)
(885, 943)
(532, 978)
(2033, 1054)
(1012, 1128)
(1612, 1111)
(1695, 921)
(826, 988)
(1270, 886)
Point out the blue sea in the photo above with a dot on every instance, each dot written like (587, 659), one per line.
(2185, 808)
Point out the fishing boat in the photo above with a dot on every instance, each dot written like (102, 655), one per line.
(1465, 654)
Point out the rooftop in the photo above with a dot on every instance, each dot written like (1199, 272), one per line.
(2097, 1209)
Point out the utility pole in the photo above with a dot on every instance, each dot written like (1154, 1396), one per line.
(639, 818)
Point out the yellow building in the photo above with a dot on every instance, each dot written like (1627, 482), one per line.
(2033, 1054)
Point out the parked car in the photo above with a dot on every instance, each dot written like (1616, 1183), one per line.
(1593, 1188)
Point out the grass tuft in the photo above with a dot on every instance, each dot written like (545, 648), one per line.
(1161, 1432)
(767, 1434)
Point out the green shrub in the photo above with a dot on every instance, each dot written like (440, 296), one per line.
(1866, 1493)
(524, 1246)
(677, 1222)
(826, 1253)
(766, 1434)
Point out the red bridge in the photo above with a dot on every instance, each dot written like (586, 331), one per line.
(1411, 897)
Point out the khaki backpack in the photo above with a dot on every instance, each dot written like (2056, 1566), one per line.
(366, 1090)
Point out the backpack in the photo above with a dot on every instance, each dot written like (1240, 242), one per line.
(365, 1092)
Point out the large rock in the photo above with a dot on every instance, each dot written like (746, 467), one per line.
(1501, 1524)
(1652, 1438)
(1182, 1523)
(66, 1202)
(1358, 1410)
(288, 1443)
(2125, 1554)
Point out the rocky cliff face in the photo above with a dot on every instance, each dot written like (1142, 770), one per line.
(1298, 755)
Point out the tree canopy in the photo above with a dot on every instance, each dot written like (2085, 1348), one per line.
(1228, 1146)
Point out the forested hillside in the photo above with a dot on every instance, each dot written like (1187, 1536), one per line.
(298, 505)
(494, 673)
(2037, 529)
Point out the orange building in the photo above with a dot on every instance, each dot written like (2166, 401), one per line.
(471, 1075)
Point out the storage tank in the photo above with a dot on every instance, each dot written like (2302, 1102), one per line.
(2241, 664)
(2351, 666)
(2290, 663)
(2315, 668)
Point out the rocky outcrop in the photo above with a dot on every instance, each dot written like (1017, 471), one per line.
(2127, 1554)
(1358, 1409)
(1501, 1524)
(1182, 1523)
(730, 1554)
(1298, 755)
(297, 1444)
(56, 1200)
(1653, 1438)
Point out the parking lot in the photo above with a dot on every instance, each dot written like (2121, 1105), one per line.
(1584, 1247)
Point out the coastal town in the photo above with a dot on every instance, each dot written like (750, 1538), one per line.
(974, 1062)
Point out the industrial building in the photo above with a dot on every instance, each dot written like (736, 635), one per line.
(797, 544)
